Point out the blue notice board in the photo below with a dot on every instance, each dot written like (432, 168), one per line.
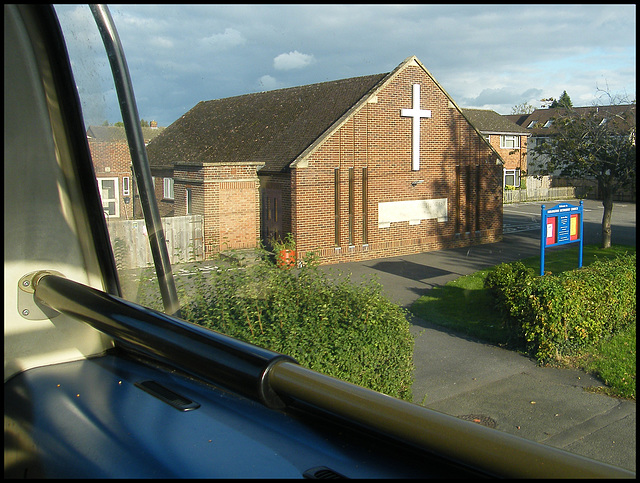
(561, 225)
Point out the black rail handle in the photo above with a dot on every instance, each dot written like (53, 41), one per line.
(212, 356)
(139, 160)
(491, 451)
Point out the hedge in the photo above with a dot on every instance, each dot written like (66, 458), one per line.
(332, 326)
(554, 315)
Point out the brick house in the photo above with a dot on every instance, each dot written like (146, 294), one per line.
(355, 169)
(539, 124)
(112, 163)
(507, 138)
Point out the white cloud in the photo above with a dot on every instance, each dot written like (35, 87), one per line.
(229, 38)
(163, 42)
(493, 96)
(292, 60)
(268, 83)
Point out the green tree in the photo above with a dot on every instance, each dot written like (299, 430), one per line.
(597, 143)
(564, 101)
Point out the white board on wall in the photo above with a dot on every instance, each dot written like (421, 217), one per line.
(412, 211)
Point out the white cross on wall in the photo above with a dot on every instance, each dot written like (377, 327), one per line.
(416, 113)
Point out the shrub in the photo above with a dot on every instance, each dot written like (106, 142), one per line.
(332, 326)
(554, 315)
(602, 298)
(511, 285)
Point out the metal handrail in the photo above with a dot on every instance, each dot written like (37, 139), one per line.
(485, 449)
(139, 160)
(277, 381)
(204, 353)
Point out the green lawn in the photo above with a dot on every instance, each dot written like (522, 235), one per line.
(465, 306)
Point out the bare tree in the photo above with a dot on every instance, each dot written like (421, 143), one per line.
(524, 108)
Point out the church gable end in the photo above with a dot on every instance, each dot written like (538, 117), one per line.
(403, 174)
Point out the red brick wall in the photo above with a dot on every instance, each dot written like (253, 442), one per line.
(229, 200)
(188, 177)
(113, 160)
(513, 158)
(378, 138)
(166, 206)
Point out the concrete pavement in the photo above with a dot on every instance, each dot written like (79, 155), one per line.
(496, 387)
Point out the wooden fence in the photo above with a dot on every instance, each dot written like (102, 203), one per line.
(543, 194)
(130, 241)
(545, 188)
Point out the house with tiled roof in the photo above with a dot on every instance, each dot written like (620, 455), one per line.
(117, 133)
(359, 168)
(507, 138)
(540, 125)
(112, 164)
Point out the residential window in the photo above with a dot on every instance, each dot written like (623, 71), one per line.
(167, 192)
(509, 142)
(487, 137)
(108, 188)
(126, 186)
(512, 177)
(189, 200)
(548, 123)
(532, 124)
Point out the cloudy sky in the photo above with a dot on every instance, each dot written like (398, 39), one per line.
(484, 56)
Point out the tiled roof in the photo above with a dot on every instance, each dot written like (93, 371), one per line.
(536, 121)
(117, 133)
(272, 127)
(487, 121)
(517, 118)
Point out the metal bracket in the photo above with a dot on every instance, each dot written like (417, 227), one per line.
(28, 306)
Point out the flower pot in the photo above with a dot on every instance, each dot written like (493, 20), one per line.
(286, 259)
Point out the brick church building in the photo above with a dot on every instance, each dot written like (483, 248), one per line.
(360, 168)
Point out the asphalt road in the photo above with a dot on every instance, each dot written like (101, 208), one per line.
(525, 217)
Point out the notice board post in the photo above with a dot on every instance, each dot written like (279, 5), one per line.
(561, 225)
